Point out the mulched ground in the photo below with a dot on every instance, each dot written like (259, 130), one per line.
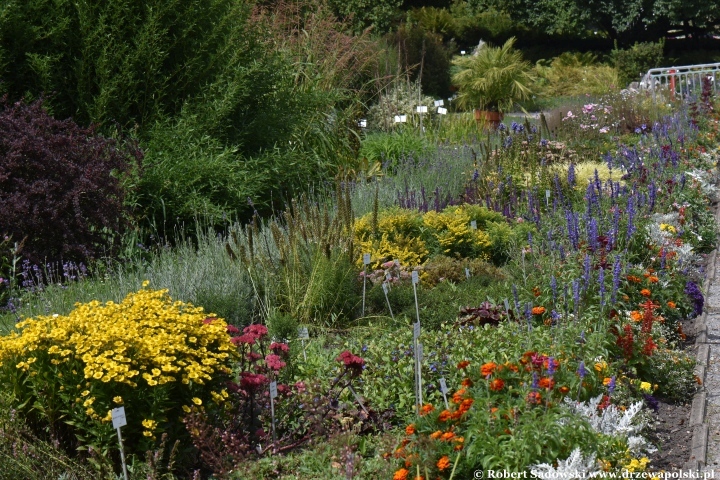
(672, 432)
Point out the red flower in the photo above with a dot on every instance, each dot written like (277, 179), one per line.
(244, 339)
(279, 348)
(252, 381)
(352, 362)
(547, 383)
(534, 398)
(462, 365)
(649, 346)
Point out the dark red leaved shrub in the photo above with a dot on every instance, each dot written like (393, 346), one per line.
(60, 185)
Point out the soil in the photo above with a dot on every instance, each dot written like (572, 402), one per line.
(671, 424)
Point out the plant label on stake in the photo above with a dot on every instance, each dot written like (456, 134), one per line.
(473, 224)
(385, 291)
(439, 103)
(415, 280)
(444, 390)
(400, 118)
(467, 272)
(273, 396)
(547, 198)
(442, 111)
(421, 109)
(118, 420)
(366, 262)
(507, 305)
(362, 123)
(303, 335)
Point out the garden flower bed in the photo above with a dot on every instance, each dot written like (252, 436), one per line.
(552, 290)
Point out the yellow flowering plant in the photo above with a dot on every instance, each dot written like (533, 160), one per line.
(148, 353)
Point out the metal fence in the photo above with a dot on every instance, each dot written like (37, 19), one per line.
(681, 81)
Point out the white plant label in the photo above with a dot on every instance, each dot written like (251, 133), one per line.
(118, 417)
(421, 109)
(273, 389)
(416, 330)
(443, 386)
(473, 225)
(363, 123)
(547, 194)
(303, 333)
(467, 272)
(507, 305)
(419, 352)
(462, 52)
(415, 277)
(385, 288)
(388, 277)
(439, 103)
(442, 111)
(366, 258)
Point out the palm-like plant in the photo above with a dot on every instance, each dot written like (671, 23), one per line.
(493, 78)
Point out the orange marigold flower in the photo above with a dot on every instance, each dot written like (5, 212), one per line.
(536, 291)
(512, 367)
(564, 389)
(462, 365)
(443, 463)
(671, 304)
(401, 474)
(488, 369)
(458, 447)
(425, 409)
(444, 415)
(645, 292)
(546, 382)
(606, 381)
(465, 405)
(447, 436)
(636, 316)
(534, 398)
(436, 434)
(634, 279)
(497, 384)
(538, 310)
(410, 429)
(493, 409)
(466, 382)
(653, 279)
(458, 396)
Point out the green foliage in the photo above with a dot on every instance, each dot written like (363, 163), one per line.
(575, 74)
(634, 62)
(378, 15)
(493, 78)
(425, 57)
(394, 148)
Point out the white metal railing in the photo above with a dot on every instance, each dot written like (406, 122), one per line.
(681, 81)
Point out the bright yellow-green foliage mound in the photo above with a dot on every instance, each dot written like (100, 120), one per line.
(412, 237)
(149, 353)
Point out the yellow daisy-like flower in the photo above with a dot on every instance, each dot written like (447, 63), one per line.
(197, 401)
(118, 400)
(186, 409)
(645, 387)
(149, 424)
(145, 283)
(147, 434)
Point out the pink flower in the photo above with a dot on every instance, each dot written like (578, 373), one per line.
(300, 386)
(388, 264)
(208, 320)
(274, 362)
(252, 356)
(232, 330)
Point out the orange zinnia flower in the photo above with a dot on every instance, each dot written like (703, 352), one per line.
(401, 474)
(671, 304)
(653, 279)
(497, 385)
(410, 429)
(636, 316)
(645, 292)
(462, 365)
(427, 408)
(444, 415)
(458, 396)
(538, 310)
(443, 463)
(488, 369)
